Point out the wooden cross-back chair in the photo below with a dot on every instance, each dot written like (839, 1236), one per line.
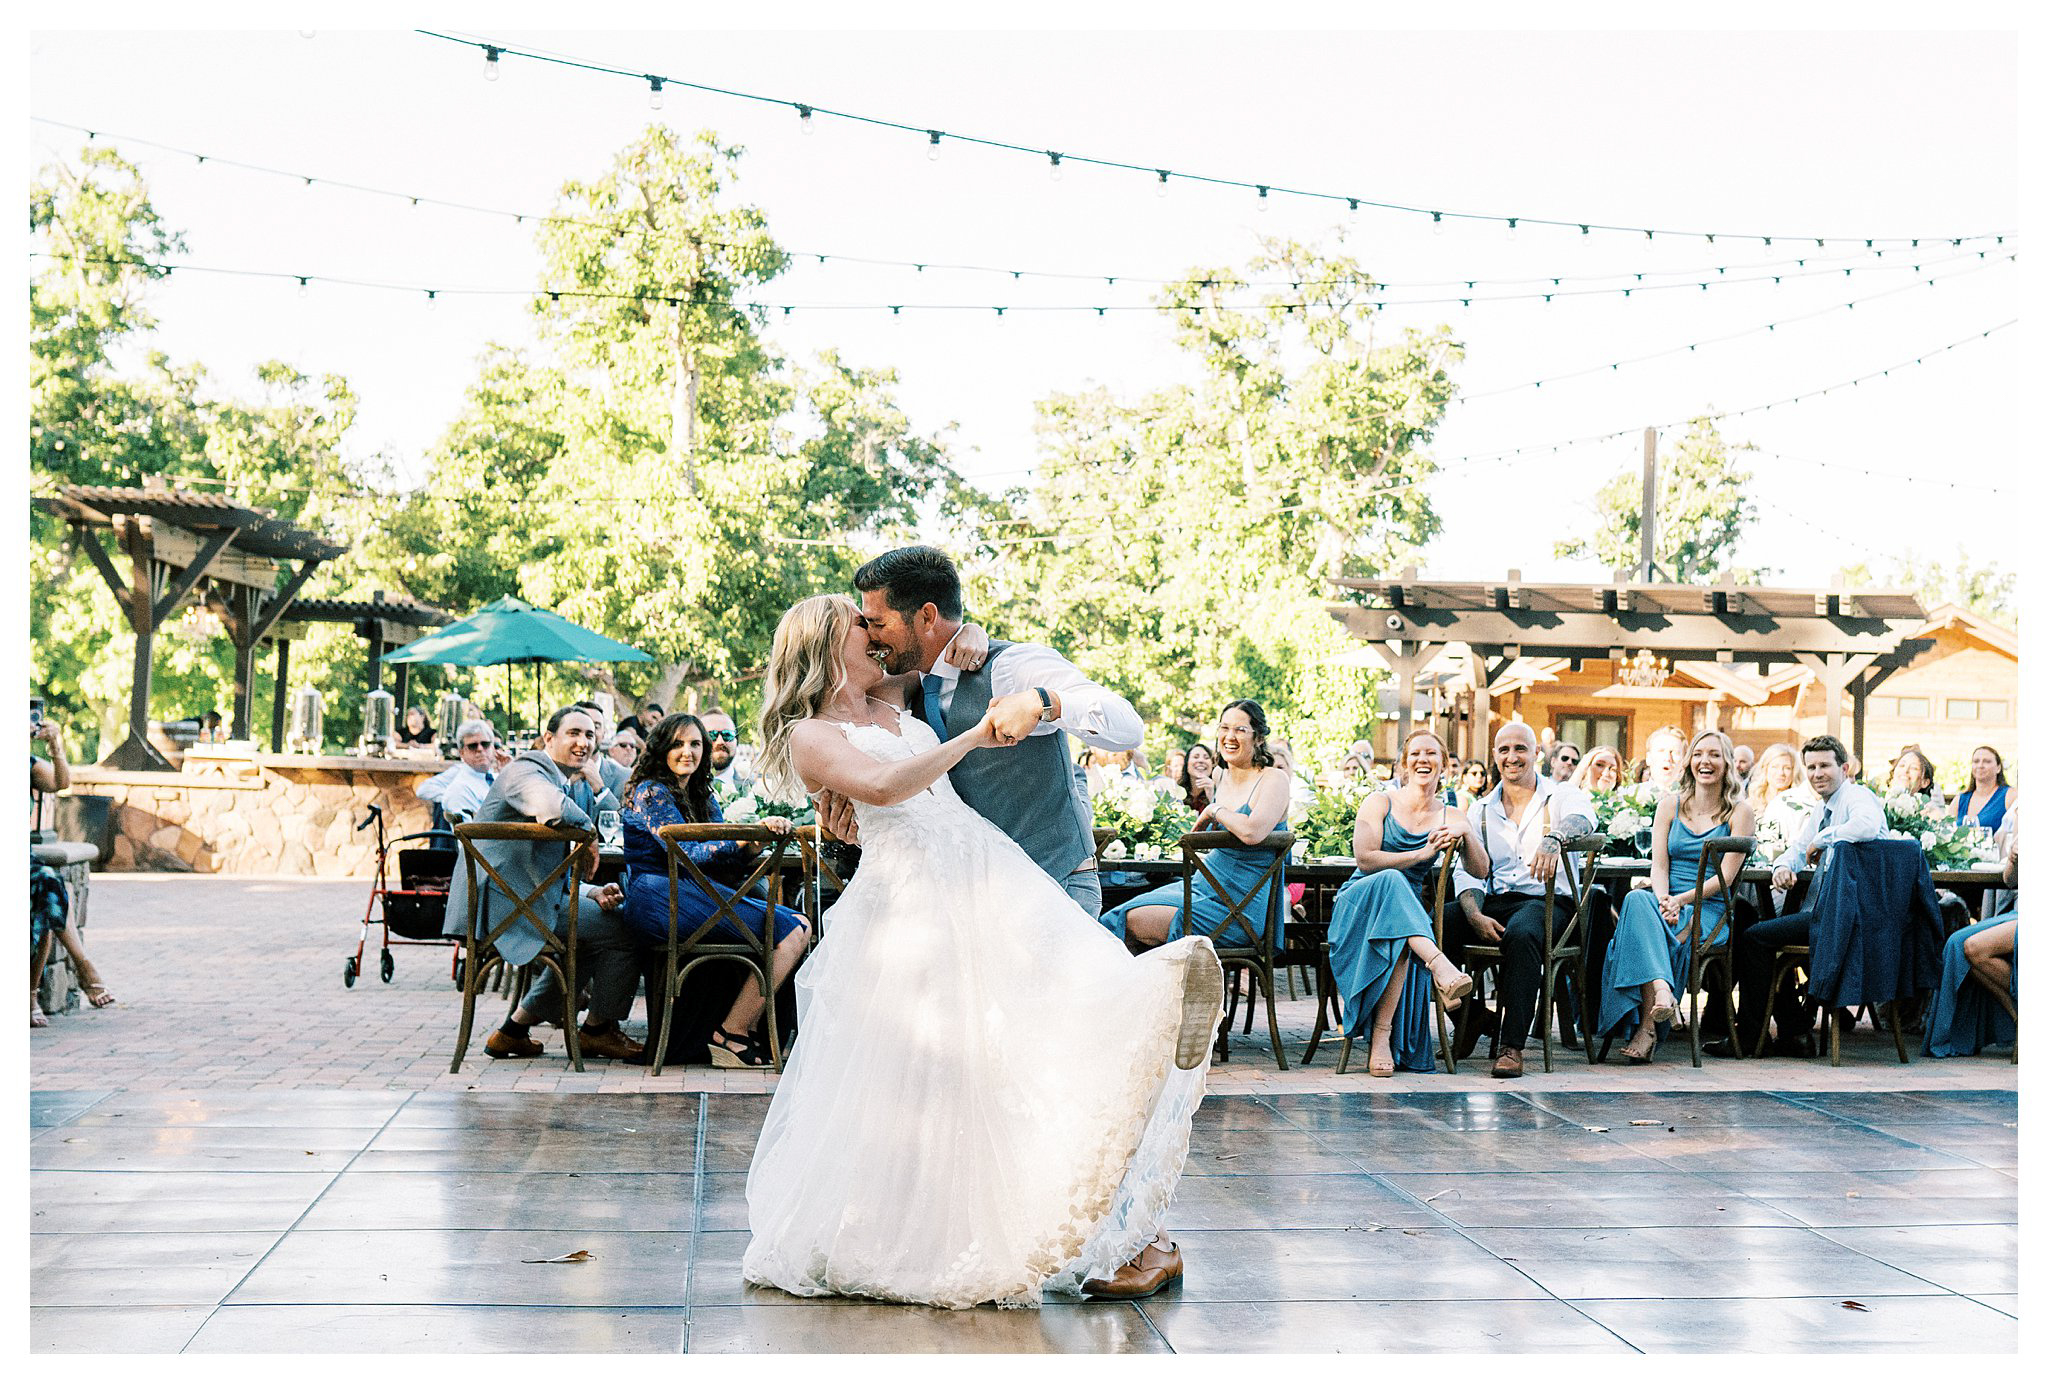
(756, 949)
(1563, 948)
(819, 878)
(558, 951)
(1257, 957)
(1708, 949)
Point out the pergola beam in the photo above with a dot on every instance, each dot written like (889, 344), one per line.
(1582, 634)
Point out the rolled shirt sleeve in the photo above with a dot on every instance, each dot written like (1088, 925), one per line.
(1098, 716)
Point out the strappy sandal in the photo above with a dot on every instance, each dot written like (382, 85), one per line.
(98, 996)
(749, 1053)
(36, 1017)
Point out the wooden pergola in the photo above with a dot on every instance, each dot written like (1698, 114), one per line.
(1852, 640)
(174, 540)
(383, 622)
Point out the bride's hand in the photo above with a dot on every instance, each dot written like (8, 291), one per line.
(969, 649)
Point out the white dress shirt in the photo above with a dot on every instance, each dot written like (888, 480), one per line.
(1509, 843)
(1098, 716)
(459, 789)
(1853, 814)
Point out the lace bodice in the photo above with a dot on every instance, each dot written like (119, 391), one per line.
(923, 819)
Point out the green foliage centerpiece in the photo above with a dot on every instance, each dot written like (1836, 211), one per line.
(1147, 821)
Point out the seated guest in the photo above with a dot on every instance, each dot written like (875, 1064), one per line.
(672, 785)
(1848, 812)
(611, 774)
(1913, 774)
(1474, 783)
(459, 790)
(1745, 760)
(1977, 1002)
(1650, 955)
(1599, 771)
(1988, 798)
(1663, 758)
(416, 730)
(1249, 802)
(1169, 776)
(1522, 826)
(1301, 789)
(551, 784)
(624, 748)
(210, 730)
(1382, 917)
(1197, 772)
(649, 717)
(1564, 761)
(722, 736)
(49, 911)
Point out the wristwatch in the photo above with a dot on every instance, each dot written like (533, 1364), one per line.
(1044, 702)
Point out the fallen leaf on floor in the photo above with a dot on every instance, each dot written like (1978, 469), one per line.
(1226, 1157)
(1852, 1195)
(1671, 1129)
(1446, 1192)
(1596, 1129)
(311, 1154)
(1411, 1232)
(1854, 1306)
(573, 1257)
(1645, 1122)
(1720, 1208)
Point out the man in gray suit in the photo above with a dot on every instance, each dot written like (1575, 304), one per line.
(556, 784)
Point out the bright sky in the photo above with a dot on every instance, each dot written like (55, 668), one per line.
(1837, 136)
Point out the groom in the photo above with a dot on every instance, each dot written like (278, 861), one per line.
(1035, 794)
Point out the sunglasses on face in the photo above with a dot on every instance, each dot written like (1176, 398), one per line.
(476, 744)
(721, 735)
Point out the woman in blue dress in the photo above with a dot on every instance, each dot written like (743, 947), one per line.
(1988, 799)
(1651, 953)
(1250, 802)
(671, 784)
(1381, 918)
(1977, 1001)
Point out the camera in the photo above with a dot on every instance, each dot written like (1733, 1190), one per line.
(35, 714)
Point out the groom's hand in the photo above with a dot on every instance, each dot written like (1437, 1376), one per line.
(835, 815)
(1013, 717)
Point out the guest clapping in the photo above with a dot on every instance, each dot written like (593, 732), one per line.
(1651, 954)
(1381, 916)
(672, 785)
(1249, 802)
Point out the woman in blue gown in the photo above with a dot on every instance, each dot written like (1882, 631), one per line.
(1987, 799)
(1250, 802)
(1978, 998)
(1651, 954)
(1381, 918)
(671, 784)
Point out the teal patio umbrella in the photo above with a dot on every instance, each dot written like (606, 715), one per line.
(509, 631)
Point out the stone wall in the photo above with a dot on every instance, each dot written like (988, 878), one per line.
(278, 817)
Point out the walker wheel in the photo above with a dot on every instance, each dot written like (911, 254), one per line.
(460, 965)
(386, 966)
(349, 971)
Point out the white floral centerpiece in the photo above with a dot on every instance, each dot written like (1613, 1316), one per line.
(1947, 843)
(1147, 821)
(747, 808)
(1625, 813)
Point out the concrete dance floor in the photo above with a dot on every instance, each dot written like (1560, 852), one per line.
(1524, 1220)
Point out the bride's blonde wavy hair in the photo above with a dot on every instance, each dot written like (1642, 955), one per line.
(805, 668)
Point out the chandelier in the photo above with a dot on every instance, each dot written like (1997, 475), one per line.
(1644, 670)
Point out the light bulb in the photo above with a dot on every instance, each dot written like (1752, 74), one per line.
(1159, 189)
(1054, 171)
(931, 152)
(1514, 233)
(1436, 223)
(654, 93)
(430, 298)
(1354, 210)
(302, 288)
(804, 121)
(1264, 201)
(490, 64)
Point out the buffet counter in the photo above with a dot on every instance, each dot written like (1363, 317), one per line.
(231, 809)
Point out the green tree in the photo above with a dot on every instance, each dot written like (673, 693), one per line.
(1180, 545)
(1986, 588)
(1701, 511)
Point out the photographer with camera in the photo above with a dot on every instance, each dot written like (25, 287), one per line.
(49, 902)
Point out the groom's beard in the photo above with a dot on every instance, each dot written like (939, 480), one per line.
(900, 661)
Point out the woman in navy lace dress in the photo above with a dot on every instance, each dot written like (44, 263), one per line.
(670, 785)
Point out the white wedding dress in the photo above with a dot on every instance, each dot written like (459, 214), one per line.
(982, 1102)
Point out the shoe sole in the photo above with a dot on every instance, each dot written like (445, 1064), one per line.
(1201, 1007)
(1663, 1013)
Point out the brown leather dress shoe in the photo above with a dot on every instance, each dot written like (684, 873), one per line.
(1153, 1269)
(612, 1043)
(498, 1044)
(1508, 1064)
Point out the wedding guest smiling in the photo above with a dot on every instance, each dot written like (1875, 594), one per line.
(1599, 771)
(1473, 783)
(1564, 760)
(460, 789)
(1381, 916)
(1664, 758)
(721, 734)
(1249, 802)
(671, 785)
(1988, 799)
(1650, 955)
(1913, 773)
(1197, 773)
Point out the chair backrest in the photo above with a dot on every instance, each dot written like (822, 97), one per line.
(1103, 836)
(818, 873)
(1712, 851)
(767, 864)
(1264, 932)
(468, 834)
(1579, 880)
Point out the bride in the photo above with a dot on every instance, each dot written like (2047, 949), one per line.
(989, 1096)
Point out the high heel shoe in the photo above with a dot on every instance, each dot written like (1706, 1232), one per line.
(1641, 1059)
(1382, 1034)
(1663, 1006)
(1452, 984)
(749, 1053)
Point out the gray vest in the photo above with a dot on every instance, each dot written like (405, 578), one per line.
(1034, 793)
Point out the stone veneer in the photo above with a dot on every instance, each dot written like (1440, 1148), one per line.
(258, 814)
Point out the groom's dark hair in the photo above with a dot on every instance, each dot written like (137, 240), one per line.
(909, 577)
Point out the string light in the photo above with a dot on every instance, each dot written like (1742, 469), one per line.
(653, 93)
(803, 119)
(1159, 188)
(932, 151)
(491, 62)
(1035, 151)
(1054, 168)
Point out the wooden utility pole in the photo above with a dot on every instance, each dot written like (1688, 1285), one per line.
(1647, 570)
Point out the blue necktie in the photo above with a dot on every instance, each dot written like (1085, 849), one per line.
(934, 709)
